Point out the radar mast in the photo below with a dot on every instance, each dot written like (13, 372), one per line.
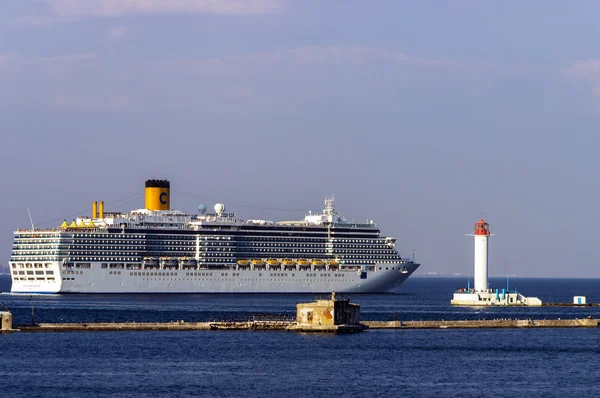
(329, 206)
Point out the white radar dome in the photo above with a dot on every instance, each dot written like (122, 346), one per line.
(202, 208)
(219, 208)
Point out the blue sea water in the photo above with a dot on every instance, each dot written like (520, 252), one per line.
(419, 363)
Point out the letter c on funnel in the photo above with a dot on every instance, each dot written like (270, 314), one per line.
(162, 198)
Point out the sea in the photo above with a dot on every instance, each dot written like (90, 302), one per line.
(375, 363)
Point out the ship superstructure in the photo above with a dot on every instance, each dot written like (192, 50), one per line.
(159, 250)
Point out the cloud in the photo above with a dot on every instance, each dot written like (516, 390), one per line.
(86, 81)
(117, 33)
(54, 66)
(586, 70)
(77, 102)
(115, 8)
(68, 10)
(359, 55)
(306, 56)
(78, 82)
(33, 20)
(239, 92)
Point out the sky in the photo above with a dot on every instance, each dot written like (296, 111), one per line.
(422, 116)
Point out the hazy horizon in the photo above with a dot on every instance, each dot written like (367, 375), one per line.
(421, 116)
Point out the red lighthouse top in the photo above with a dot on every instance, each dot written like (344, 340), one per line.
(482, 228)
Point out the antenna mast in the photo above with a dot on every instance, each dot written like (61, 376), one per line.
(30, 219)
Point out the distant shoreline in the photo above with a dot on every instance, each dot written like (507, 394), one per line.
(501, 277)
(467, 276)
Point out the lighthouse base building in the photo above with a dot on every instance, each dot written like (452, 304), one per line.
(496, 297)
(481, 294)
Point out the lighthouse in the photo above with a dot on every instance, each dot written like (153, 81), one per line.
(481, 294)
(481, 234)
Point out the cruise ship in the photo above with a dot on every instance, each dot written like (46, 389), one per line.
(159, 250)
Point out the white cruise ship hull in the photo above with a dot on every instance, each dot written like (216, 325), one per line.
(159, 250)
(386, 278)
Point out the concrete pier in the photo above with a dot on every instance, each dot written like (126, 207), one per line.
(292, 326)
(570, 305)
(113, 326)
(158, 326)
(486, 324)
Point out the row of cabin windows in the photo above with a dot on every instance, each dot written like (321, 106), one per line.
(96, 254)
(173, 246)
(267, 253)
(303, 239)
(315, 244)
(49, 279)
(230, 252)
(49, 272)
(313, 250)
(157, 273)
(31, 252)
(34, 245)
(229, 259)
(192, 241)
(117, 239)
(109, 236)
(30, 265)
(41, 241)
(54, 257)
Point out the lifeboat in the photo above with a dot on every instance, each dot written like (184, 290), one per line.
(257, 262)
(318, 263)
(150, 263)
(188, 263)
(303, 263)
(170, 263)
(274, 263)
(288, 262)
(243, 263)
(333, 264)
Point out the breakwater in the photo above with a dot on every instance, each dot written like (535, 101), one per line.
(287, 325)
(154, 326)
(486, 324)
(570, 305)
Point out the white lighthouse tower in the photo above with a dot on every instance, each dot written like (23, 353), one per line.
(481, 294)
(481, 234)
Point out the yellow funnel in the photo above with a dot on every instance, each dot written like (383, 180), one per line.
(158, 195)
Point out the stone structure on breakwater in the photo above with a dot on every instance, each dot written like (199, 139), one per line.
(5, 321)
(337, 315)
